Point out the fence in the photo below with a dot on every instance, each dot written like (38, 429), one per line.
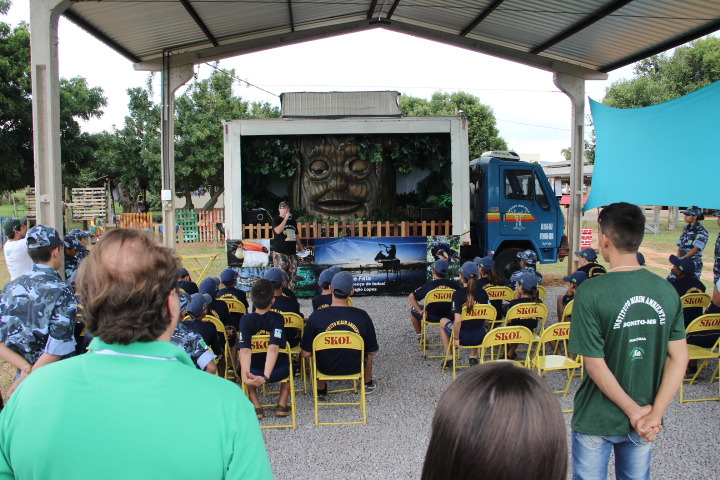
(199, 226)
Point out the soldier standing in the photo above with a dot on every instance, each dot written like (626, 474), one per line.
(693, 239)
(37, 310)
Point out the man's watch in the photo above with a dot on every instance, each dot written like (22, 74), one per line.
(265, 378)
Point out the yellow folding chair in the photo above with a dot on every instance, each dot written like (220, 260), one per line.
(234, 305)
(436, 295)
(339, 339)
(695, 300)
(527, 311)
(704, 323)
(500, 293)
(557, 333)
(502, 337)
(260, 344)
(480, 311)
(567, 311)
(542, 292)
(293, 320)
(230, 366)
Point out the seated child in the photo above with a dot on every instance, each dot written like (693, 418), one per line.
(436, 311)
(527, 292)
(574, 279)
(324, 298)
(261, 368)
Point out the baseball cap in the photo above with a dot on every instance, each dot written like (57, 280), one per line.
(77, 233)
(588, 253)
(275, 275)
(71, 242)
(198, 303)
(528, 280)
(284, 204)
(692, 211)
(576, 277)
(184, 300)
(469, 269)
(342, 283)
(440, 267)
(327, 275)
(685, 265)
(529, 256)
(228, 275)
(184, 272)
(641, 258)
(486, 263)
(209, 286)
(11, 224)
(43, 236)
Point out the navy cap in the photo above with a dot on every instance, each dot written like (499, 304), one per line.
(228, 275)
(42, 236)
(209, 286)
(529, 256)
(486, 263)
(342, 283)
(685, 265)
(275, 275)
(184, 272)
(576, 277)
(327, 275)
(469, 269)
(198, 303)
(184, 300)
(528, 280)
(588, 253)
(440, 267)
(72, 242)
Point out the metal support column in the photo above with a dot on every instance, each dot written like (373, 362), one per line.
(44, 16)
(574, 87)
(172, 78)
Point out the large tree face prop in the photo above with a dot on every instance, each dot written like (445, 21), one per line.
(335, 181)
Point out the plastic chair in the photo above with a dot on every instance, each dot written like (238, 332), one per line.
(479, 312)
(230, 370)
(436, 295)
(526, 311)
(339, 339)
(260, 344)
(502, 337)
(557, 333)
(703, 323)
(234, 305)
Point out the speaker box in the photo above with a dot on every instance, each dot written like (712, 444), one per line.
(257, 216)
(439, 214)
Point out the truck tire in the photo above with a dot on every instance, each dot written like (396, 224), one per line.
(507, 263)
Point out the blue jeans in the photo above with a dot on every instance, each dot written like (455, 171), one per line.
(591, 454)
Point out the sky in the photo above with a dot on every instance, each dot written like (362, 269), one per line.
(533, 116)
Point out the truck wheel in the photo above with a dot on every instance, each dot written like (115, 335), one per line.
(507, 263)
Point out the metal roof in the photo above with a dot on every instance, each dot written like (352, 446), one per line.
(586, 38)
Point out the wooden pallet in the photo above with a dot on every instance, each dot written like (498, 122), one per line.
(30, 202)
(88, 203)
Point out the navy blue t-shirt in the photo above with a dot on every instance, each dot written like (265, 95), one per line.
(321, 301)
(458, 301)
(339, 361)
(438, 310)
(270, 323)
(235, 292)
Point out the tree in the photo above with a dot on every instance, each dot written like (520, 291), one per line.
(77, 101)
(483, 134)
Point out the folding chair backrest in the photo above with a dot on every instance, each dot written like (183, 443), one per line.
(293, 320)
(261, 343)
(567, 311)
(709, 321)
(217, 323)
(524, 311)
(556, 332)
(338, 339)
(695, 300)
(507, 335)
(437, 295)
(542, 292)
(234, 305)
(501, 293)
(480, 311)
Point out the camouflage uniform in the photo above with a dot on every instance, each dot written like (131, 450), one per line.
(516, 276)
(37, 314)
(693, 236)
(194, 346)
(72, 263)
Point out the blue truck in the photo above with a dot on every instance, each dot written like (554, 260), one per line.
(513, 208)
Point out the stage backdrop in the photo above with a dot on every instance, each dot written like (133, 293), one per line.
(664, 154)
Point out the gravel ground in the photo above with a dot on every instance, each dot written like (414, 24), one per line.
(400, 412)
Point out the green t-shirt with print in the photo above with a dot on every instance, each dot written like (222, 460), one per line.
(627, 318)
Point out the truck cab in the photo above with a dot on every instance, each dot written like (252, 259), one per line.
(513, 208)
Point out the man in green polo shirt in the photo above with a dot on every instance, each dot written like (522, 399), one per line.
(144, 410)
(628, 325)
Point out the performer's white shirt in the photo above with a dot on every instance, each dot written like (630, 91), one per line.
(16, 257)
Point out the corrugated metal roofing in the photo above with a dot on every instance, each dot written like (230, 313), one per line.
(589, 36)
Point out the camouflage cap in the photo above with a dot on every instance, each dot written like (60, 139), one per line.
(72, 242)
(43, 236)
(529, 256)
(77, 233)
(12, 224)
